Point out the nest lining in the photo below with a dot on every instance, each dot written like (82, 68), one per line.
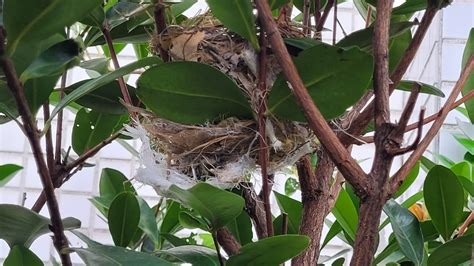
(224, 153)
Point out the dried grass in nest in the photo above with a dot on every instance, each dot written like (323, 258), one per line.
(227, 151)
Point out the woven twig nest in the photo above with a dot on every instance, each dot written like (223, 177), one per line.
(226, 152)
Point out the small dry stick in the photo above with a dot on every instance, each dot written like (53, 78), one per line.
(466, 223)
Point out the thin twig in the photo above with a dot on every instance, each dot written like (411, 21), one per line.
(415, 143)
(334, 26)
(466, 223)
(317, 11)
(322, 21)
(59, 122)
(218, 250)
(263, 150)
(399, 177)
(32, 133)
(160, 26)
(63, 172)
(409, 106)
(368, 19)
(113, 56)
(49, 141)
(345, 163)
(306, 17)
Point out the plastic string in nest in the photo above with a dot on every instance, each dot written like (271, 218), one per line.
(223, 153)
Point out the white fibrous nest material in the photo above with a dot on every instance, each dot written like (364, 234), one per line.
(224, 154)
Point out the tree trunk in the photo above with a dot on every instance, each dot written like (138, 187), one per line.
(367, 232)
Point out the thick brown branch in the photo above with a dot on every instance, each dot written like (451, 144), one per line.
(345, 163)
(263, 147)
(398, 178)
(32, 133)
(227, 241)
(255, 210)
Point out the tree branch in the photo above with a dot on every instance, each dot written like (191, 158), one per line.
(399, 177)
(227, 241)
(160, 26)
(32, 133)
(322, 21)
(345, 163)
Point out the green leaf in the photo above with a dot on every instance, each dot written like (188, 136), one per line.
(453, 252)
(178, 8)
(54, 60)
(120, 34)
(237, 15)
(105, 99)
(346, 214)
(467, 184)
(41, 19)
(281, 248)
(148, 221)
(407, 231)
(170, 221)
(95, 18)
(195, 255)
(113, 182)
(99, 65)
(407, 204)
(409, 7)
(291, 207)
(407, 85)
(21, 226)
(22, 256)
(241, 228)
(326, 81)
(426, 163)
(444, 200)
(397, 47)
(7, 172)
(468, 143)
(176, 90)
(187, 220)
(274, 4)
(363, 38)
(334, 230)
(123, 218)
(462, 169)
(91, 128)
(97, 254)
(469, 85)
(218, 207)
(101, 81)
(291, 186)
(411, 177)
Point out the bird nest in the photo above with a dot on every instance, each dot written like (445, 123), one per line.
(224, 153)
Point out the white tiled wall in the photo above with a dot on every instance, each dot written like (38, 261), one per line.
(438, 63)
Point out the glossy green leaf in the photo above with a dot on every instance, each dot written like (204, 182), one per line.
(241, 228)
(462, 169)
(339, 262)
(334, 230)
(170, 221)
(407, 203)
(397, 47)
(95, 18)
(124, 11)
(274, 4)
(444, 200)
(409, 7)
(99, 65)
(123, 218)
(218, 209)
(407, 231)
(409, 179)
(467, 184)
(113, 182)
(291, 207)
(468, 143)
(291, 186)
(21, 226)
(120, 34)
(346, 214)
(363, 38)
(407, 85)
(237, 15)
(91, 128)
(105, 99)
(281, 248)
(22, 256)
(176, 90)
(454, 252)
(426, 163)
(98, 254)
(148, 222)
(101, 81)
(469, 85)
(363, 7)
(326, 81)
(7, 172)
(187, 220)
(41, 19)
(54, 60)
(178, 8)
(195, 255)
